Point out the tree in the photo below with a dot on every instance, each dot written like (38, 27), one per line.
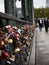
(41, 12)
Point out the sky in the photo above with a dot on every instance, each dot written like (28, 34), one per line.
(37, 4)
(1, 5)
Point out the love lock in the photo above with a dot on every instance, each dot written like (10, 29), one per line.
(0, 52)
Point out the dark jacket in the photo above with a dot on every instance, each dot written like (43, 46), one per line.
(46, 23)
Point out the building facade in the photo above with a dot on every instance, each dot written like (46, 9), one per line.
(47, 3)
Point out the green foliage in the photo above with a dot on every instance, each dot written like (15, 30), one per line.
(41, 12)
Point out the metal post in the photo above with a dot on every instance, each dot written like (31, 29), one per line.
(30, 9)
(23, 8)
(10, 7)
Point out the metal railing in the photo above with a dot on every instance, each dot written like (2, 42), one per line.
(13, 18)
(23, 53)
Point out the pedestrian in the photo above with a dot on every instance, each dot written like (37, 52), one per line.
(46, 24)
(40, 24)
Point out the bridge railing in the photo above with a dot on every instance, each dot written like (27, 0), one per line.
(21, 57)
(13, 18)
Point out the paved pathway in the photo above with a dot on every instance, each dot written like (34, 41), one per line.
(42, 48)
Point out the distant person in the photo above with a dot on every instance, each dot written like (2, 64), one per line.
(40, 24)
(46, 24)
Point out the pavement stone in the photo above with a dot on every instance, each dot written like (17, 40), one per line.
(42, 47)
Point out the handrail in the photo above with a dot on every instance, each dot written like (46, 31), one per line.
(11, 17)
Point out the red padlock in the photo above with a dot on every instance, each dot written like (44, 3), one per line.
(4, 55)
(16, 35)
(2, 46)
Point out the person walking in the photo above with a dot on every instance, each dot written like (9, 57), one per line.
(40, 24)
(46, 24)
